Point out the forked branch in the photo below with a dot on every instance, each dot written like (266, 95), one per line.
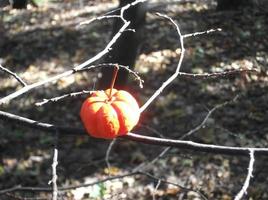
(210, 148)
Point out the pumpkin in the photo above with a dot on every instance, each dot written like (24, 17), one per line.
(110, 113)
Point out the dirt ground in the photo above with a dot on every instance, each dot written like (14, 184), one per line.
(40, 42)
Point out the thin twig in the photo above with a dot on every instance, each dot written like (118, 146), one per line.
(215, 75)
(55, 99)
(153, 130)
(107, 16)
(74, 94)
(135, 74)
(171, 78)
(182, 144)
(201, 32)
(156, 188)
(107, 155)
(210, 112)
(154, 160)
(54, 175)
(98, 18)
(249, 175)
(53, 181)
(19, 79)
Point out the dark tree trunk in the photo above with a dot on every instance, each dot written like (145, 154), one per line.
(125, 50)
(2, 33)
(233, 4)
(18, 4)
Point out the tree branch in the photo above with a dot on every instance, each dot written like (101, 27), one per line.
(171, 78)
(210, 112)
(210, 148)
(225, 74)
(107, 155)
(55, 99)
(249, 175)
(182, 74)
(54, 178)
(74, 94)
(201, 33)
(19, 79)
(54, 175)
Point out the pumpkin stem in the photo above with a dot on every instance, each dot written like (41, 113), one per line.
(116, 68)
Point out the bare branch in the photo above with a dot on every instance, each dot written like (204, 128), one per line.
(55, 99)
(171, 78)
(156, 188)
(98, 18)
(225, 74)
(107, 156)
(189, 145)
(249, 175)
(177, 73)
(54, 175)
(210, 112)
(135, 74)
(13, 74)
(201, 33)
(54, 169)
(75, 94)
(210, 148)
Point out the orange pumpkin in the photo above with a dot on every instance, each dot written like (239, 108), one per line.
(108, 115)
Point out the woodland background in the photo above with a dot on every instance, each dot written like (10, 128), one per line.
(44, 40)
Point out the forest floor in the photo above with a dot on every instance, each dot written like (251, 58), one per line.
(41, 42)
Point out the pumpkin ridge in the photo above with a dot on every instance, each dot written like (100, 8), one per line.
(122, 95)
(130, 104)
(120, 117)
(124, 111)
(88, 116)
(108, 123)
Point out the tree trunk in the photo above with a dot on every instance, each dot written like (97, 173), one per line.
(18, 4)
(233, 4)
(2, 33)
(124, 51)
